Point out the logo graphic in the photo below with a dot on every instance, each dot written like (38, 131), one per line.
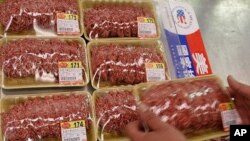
(181, 16)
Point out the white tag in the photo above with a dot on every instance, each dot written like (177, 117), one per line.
(70, 72)
(229, 115)
(146, 27)
(67, 24)
(155, 71)
(73, 131)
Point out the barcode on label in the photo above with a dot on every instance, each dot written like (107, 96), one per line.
(72, 139)
(68, 78)
(229, 117)
(146, 32)
(228, 123)
(154, 78)
(62, 29)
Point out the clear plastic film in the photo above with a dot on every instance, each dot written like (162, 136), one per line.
(191, 105)
(224, 138)
(119, 19)
(39, 117)
(1, 58)
(114, 109)
(126, 62)
(40, 18)
(43, 62)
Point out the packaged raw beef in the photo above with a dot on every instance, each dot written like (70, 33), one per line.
(40, 17)
(126, 62)
(114, 109)
(191, 105)
(119, 19)
(46, 117)
(1, 55)
(44, 62)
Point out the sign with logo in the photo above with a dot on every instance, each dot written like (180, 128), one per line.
(185, 43)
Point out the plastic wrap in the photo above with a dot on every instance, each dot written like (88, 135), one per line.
(224, 138)
(116, 63)
(114, 108)
(191, 105)
(36, 17)
(34, 62)
(33, 117)
(1, 58)
(119, 19)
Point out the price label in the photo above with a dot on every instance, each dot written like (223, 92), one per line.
(73, 131)
(155, 71)
(229, 115)
(70, 72)
(67, 24)
(146, 27)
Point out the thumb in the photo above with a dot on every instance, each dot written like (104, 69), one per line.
(132, 130)
(149, 118)
(238, 87)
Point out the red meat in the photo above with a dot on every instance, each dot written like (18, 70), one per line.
(122, 64)
(190, 106)
(20, 15)
(39, 118)
(114, 20)
(1, 58)
(26, 57)
(115, 110)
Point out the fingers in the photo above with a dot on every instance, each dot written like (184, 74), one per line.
(243, 108)
(230, 91)
(238, 87)
(132, 130)
(150, 119)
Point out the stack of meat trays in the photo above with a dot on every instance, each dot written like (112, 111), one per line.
(42, 53)
(124, 47)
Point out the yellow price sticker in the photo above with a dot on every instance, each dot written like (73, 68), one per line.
(70, 64)
(154, 65)
(73, 124)
(67, 16)
(145, 20)
(226, 106)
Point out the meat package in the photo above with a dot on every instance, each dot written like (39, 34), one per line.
(34, 17)
(119, 19)
(191, 105)
(39, 117)
(114, 109)
(124, 62)
(1, 57)
(34, 62)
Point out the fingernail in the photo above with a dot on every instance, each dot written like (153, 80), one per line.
(142, 107)
(231, 77)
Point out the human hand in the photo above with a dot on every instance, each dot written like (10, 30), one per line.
(241, 94)
(158, 130)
